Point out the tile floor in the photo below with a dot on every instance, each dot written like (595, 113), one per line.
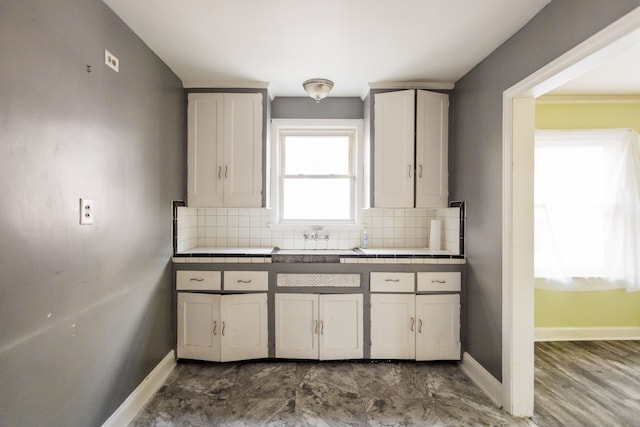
(321, 394)
(576, 384)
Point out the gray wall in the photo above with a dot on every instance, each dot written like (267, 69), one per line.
(86, 310)
(477, 151)
(307, 108)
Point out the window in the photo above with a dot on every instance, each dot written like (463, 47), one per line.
(316, 172)
(587, 207)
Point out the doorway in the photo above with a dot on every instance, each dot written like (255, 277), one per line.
(517, 201)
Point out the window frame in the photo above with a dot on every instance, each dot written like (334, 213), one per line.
(281, 128)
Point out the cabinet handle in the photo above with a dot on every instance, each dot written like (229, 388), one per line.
(215, 327)
(244, 281)
(219, 172)
(412, 322)
(196, 279)
(321, 327)
(392, 280)
(409, 168)
(419, 326)
(438, 281)
(420, 173)
(222, 328)
(316, 328)
(226, 169)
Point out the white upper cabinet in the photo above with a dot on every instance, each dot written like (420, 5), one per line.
(224, 150)
(394, 149)
(411, 149)
(432, 156)
(205, 149)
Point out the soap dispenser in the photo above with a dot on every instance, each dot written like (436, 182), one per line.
(364, 244)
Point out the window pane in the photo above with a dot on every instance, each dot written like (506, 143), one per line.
(309, 199)
(569, 211)
(316, 155)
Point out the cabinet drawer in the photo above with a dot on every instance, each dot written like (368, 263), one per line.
(246, 280)
(392, 282)
(439, 281)
(189, 280)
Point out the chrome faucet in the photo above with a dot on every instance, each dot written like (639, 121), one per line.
(314, 235)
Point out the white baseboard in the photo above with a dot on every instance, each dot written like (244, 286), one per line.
(482, 378)
(588, 334)
(143, 393)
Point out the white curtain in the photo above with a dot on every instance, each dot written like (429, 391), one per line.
(587, 209)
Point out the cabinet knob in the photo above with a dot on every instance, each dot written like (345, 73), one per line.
(392, 280)
(196, 279)
(244, 281)
(410, 169)
(412, 322)
(420, 171)
(222, 328)
(219, 172)
(419, 326)
(215, 327)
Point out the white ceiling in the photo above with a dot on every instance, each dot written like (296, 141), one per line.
(618, 74)
(222, 43)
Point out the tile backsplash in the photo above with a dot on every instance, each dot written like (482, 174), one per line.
(250, 227)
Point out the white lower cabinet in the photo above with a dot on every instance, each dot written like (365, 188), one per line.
(222, 328)
(438, 327)
(325, 327)
(421, 327)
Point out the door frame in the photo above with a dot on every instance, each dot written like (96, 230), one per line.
(517, 201)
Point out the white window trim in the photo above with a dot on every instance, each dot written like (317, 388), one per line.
(283, 126)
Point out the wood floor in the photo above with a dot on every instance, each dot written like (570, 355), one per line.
(587, 383)
(576, 384)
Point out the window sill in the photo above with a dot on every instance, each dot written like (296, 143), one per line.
(320, 227)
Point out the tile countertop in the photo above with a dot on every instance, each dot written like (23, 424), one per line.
(271, 254)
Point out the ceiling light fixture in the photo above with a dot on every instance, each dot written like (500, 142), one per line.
(318, 88)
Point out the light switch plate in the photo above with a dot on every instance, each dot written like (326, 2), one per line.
(86, 212)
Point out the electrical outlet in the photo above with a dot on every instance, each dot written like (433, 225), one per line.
(111, 60)
(86, 212)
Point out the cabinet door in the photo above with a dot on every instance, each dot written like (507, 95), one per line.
(393, 326)
(297, 326)
(242, 169)
(394, 143)
(341, 331)
(205, 150)
(198, 326)
(432, 141)
(438, 327)
(243, 327)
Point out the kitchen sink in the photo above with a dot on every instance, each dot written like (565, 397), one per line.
(315, 252)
